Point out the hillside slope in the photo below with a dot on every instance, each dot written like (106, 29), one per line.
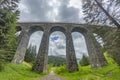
(19, 72)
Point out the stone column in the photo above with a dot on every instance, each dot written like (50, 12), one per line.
(41, 61)
(22, 47)
(70, 53)
(96, 57)
(99, 52)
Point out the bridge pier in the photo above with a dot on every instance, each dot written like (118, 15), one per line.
(22, 47)
(99, 52)
(70, 53)
(97, 59)
(41, 61)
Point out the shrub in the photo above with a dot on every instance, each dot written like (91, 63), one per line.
(5, 56)
(61, 69)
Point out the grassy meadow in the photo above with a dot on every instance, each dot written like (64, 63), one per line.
(19, 72)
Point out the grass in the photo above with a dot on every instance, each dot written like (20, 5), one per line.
(24, 72)
(19, 72)
(109, 72)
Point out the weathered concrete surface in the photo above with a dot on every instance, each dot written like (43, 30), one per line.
(96, 56)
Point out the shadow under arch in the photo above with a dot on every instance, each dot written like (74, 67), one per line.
(57, 28)
(33, 29)
(79, 29)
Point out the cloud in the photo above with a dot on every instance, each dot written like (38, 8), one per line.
(50, 11)
(58, 46)
(35, 39)
(54, 11)
(79, 44)
(37, 10)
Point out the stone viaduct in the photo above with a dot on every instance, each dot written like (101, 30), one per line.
(96, 57)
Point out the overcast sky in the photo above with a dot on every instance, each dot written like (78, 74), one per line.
(54, 11)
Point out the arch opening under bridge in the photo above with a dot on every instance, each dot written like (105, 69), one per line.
(96, 57)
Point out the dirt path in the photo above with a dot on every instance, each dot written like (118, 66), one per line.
(52, 76)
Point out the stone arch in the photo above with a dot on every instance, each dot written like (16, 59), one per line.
(59, 47)
(70, 55)
(80, 32)
(52, 30)
(18, 33)
(33, 29)
(96, 57)
(23, 43)
(79, 29)
(57, 28)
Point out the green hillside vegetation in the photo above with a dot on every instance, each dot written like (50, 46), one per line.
(19, 72)
(109, 72)
(56, 60)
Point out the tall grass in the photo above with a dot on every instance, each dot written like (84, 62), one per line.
(18, 72)
(109, 72)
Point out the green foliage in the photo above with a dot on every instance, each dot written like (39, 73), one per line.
(30, 54)
(1, 65)
(8, 41)
(6, 56)
(108, 72)
(109, 59)
(111, 39)
(18, 72)
(8, 17)
(49, 68)
(61, 69)
(84, 61)
(112, 45)
(56, 60)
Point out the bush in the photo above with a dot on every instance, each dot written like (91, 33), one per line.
(5, 56)
(61, 69)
